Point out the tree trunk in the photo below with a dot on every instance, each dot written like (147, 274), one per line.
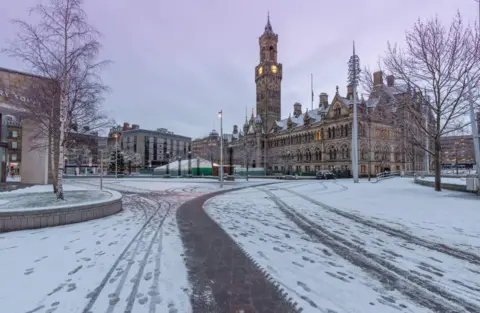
(438, 182)
(51, 147)
(61, 147)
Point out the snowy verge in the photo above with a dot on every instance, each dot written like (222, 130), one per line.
(461, 181)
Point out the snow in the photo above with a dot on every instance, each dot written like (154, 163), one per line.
(146, 185)
(447, 217)
(109, 264)
(122, 263)
(446, 180)
(291, 256)
(41, 197)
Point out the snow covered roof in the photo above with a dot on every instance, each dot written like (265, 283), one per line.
(314, 115)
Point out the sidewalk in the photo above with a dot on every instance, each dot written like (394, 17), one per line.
(223, 277)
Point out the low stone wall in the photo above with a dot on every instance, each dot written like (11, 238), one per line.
(444, 185)
(10, 221)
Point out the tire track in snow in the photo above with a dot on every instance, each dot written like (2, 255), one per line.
(417, 289)
(451, 251)
(93, 296)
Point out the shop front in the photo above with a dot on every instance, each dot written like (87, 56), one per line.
(16, 92)
(3, 148)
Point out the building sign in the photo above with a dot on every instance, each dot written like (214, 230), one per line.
(13, 96)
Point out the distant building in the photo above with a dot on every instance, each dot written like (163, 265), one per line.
(82, 148)
(14, 139)
(457, 150)
(155, 147)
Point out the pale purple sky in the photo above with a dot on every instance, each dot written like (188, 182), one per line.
(177, 63)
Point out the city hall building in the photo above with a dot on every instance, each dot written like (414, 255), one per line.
(320, 138)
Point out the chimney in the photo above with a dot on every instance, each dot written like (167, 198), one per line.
(377, 78)
(126, 126)
(390, 80)
(297, 109)
(350, 91)
(323, 100)
(235, 129)
(135, 126)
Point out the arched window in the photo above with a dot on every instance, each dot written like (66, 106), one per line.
(321, 134)
(329, 133)
(272, 53)
(346, 130)
(333, 132)
(318, 155)
(341, 130)
(299, 156)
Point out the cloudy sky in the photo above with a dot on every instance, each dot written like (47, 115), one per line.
(178, 62)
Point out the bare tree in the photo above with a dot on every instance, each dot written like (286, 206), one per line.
(436, 63)
(132, 158)
(63, 48)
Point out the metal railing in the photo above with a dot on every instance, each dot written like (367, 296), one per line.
(386, 175)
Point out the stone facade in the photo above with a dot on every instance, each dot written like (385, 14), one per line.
(320, 139)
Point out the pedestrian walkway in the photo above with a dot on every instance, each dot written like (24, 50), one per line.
(223, 277)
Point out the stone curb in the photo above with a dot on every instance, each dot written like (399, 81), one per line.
(443, 185)
(21, 220)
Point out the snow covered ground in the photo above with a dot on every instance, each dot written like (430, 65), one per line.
(387, 247)
(334, 245)
(128, 262)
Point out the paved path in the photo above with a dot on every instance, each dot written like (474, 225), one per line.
(224, 278)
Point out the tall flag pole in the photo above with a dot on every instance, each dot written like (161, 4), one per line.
(311, 87)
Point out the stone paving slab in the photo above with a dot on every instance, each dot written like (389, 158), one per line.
(219, 268)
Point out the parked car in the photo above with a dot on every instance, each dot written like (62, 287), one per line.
(325, 175)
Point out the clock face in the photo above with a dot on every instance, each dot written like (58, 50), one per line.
(274, 69)
(260, 70)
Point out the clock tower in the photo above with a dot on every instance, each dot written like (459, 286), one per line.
(268, 78)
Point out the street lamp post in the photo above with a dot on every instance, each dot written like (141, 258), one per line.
(179, 166)
(220, 115)
(230, 153)
(473, 120)
(189, 162)
(116, 155)
(354, 71)
(198, 166)
(168, 163)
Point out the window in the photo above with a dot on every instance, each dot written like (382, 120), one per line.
(13, 157)
(14, 134)
(14, 145)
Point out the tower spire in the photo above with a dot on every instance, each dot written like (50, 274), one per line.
(268, 27)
